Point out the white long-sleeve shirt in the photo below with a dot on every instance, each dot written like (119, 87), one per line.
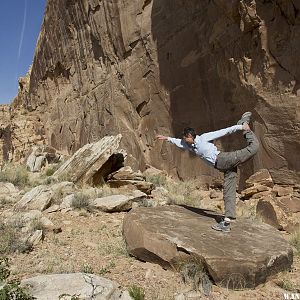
(203, 144)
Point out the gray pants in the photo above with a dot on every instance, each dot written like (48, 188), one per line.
(227, 163)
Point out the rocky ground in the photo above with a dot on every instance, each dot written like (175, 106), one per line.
(91, 241)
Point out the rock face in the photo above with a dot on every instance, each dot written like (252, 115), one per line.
(252, 250)
(140, 68)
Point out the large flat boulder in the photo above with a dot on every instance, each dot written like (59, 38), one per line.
(93, 162)
(251, 251)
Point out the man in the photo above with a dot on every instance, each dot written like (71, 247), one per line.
(226, 162)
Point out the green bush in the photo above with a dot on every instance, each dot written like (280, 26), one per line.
(11, 289)
(136, 292)
(50, 171)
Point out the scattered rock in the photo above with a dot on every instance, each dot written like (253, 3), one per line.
(38, 198)
(152, 171)
(267, 212)
(289, 204)
(7, 189)
(67, 202)
(214, 194)
(257, 188)
(117, 203)
(57, 230)
(262, 177)
(36, 237)
(40, 156)
(282, 190)
(53, 208)
(127, 177)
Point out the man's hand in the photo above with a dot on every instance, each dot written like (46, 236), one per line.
(246, 127)
(161, 137)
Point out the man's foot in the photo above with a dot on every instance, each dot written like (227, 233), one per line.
(222, 226)
(245, 118)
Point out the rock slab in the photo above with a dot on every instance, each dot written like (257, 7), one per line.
(85, 165)
(250, 252)
(87, 286)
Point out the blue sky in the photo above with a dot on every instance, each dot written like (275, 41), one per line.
(20, 23)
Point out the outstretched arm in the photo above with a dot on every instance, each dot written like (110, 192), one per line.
(178, 142)
(210, 136)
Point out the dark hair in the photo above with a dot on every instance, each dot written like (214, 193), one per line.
(189, 130)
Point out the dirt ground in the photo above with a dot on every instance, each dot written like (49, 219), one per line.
(93, 243)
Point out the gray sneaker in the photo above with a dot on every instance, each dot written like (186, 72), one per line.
(222, 226)
(245, 118)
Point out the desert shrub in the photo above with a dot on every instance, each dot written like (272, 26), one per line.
(286, 284)
(11, 239)
(16, 174)
(235, 281)
(3, 202)
(11, 289)
(136, 292)
(193, 271)
(87, 269)
(295, 241)
(157, 180)
(50, 171)
(81, 201)
(105, 190)
(37, 224)
(183, 192)
(106, 269)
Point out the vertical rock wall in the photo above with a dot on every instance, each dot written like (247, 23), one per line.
(142, 67)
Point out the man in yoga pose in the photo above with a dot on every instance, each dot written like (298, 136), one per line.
(226, 162)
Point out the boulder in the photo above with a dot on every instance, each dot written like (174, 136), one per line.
(36, 160)
(127, 177)
(289, 204)
(40, 156)
(262, 177)
(152, 171)
(143, 186)
(164, 234)
(39, 198)
(93, 162)
(87, 286)
(8, 189)
(279, 212)
(36, 237)
(126, 173)
(282, 190)
(267, 212)
(67, 201)
(117, 203)
(257, 188)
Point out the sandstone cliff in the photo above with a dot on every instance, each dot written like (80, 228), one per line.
(142, 67)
